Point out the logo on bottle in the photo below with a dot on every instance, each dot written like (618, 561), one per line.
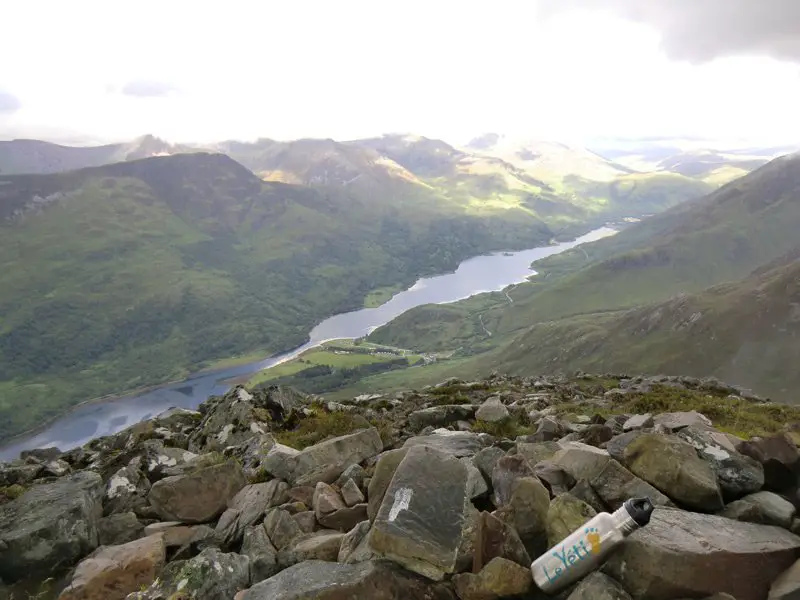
(579, 552)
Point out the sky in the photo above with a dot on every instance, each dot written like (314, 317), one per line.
(84, 71)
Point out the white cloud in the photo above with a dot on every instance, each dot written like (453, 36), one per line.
(354, 68)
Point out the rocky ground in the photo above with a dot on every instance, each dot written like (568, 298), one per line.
(444, 493)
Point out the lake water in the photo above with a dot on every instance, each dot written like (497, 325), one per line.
(473, 276)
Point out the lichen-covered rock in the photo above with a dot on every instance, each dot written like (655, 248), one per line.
(683, 554)
(565, 515)
(527, 507)
(51, 525)
(198, 497)
(352, 539)
(419, 524)
(262, 554)
(248, 507)
(211, 575)
(384, 471)
(501, 539)
(736, 473)
(500, 578)
(281, 527)
(536, 452)
(673, 466)
(615, 484)
(457, 443)
(113, 572)
(555, 479)
(678, 420)
(320, 545)
(126, 490)
(780, 458)
(581, 461)
(319, 580)
(638, 422)
(766, 508)
(486, 459)
(351, 493)
(506, 472)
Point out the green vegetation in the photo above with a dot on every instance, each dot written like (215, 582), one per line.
(509, 428)
(381, 296)
(320, 426)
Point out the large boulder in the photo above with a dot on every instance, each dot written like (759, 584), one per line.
(682, 554)
(536, 452)
(526, 510)
(211, 575)
(127, 489)
(281, 527)
(419, 524)
(119, 529)
(440, 416)
(766, 508)
(492, 411)
(198, 497)
(327, 460)
(51, 525)
(736, 473)
(615, 484)
(319, 545)
(498, 579)
(673, 466)
(565, 515)
(318, 580)
(581, 461)
(780, 458)
(384, 471)
(678, 420)
(787, 586)
(113, 572)
(457, 443)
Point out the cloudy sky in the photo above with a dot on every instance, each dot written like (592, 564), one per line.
(90, 71)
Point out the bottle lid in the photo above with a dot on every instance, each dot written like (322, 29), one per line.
(640, 510)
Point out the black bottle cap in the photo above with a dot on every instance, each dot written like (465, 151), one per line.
(640, 510)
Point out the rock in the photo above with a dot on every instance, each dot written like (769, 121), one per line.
(281, 528)
(56, 468)
(598, 586)
(501, 539)
(766, 508)
(582, 490)
(499, 578)
(181, 536)
(318, 580)
(327, 460)
(356, 473)
(549, 429)
(736, 473)
(536, 452)
(565, 515)
(638, 422)
(555, 479)
(351, 494)
(113, 572)
(787, 586)
(457, 443)
(596, 435)
(51, 525)
(506, 471)
(419, 523)
(527, 509)
(345, 518)
(780, 458)
(581, 461)
(211, 575)
(320, 545)
(262, 554)
(119, 529)
(352, 539)
(485, 460)
(440, 416)
(492, 411)
(42, 455)
(673, 466)
(279, 461)
(476, 484)
(326, 500)
(384, 471)
(197, 497)
(248, 507)
(301, 493)
(678, 420)
(127, 490)
(614, 484)
(616, 445)
(160, 461)
(685, 554)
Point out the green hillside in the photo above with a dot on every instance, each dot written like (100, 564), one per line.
(138, 272)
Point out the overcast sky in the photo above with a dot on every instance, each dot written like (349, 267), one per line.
(81, 71)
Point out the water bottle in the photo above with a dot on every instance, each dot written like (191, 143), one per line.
(586, 548)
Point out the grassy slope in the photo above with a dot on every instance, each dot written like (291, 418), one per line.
(135, 273)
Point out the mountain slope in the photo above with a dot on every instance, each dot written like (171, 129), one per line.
(134, 273)
(747, 332)
(35, 156)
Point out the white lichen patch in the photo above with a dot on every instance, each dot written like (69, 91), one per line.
(223, 435)
(244, 395)
(162, 460)
(118, 485)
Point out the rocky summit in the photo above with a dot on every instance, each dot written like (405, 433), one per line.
(444, 493)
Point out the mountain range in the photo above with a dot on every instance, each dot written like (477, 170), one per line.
(128, 265)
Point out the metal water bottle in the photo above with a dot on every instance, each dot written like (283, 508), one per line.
(586, 548)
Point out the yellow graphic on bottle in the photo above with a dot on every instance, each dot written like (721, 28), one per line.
(594, 540)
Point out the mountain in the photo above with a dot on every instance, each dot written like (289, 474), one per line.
(746, 332)
(592, 304)
(35, 156)
(138, 272)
